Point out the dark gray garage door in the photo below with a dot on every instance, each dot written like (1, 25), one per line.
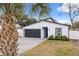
(32, 33)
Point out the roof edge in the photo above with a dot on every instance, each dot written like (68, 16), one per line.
(49, 22)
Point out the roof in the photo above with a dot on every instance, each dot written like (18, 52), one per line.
(58, 23)
(45, 20)
(49, 18)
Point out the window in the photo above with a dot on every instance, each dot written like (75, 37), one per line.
(58, 32)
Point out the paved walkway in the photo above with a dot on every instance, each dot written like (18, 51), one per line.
(26, 44)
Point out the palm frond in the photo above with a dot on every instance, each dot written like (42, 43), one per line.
(39, 9)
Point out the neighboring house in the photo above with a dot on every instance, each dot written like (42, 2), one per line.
(46, 28)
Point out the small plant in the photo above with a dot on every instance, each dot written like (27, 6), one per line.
(57, 37)
(63, 38)
(51, 37)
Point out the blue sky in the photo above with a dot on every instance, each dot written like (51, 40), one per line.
(55, 14)
(58, 15)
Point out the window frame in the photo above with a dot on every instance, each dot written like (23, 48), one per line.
(57, 32)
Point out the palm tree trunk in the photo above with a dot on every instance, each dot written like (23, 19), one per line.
(8, 36)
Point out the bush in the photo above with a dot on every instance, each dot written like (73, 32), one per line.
(51, 37)
(64, 38)
(58, 37)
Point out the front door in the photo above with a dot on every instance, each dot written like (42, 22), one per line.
(45, 32)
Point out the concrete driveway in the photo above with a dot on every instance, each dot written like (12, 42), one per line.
(26, 44)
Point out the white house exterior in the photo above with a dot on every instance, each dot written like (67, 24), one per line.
(44, 29)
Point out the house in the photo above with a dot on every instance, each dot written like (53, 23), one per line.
(46, 28)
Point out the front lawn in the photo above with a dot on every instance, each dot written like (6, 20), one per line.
(54, 48)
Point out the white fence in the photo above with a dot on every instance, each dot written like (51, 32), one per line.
(74, 35)
(20, 31)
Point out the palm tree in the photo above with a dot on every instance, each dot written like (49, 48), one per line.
(40, 9)
(8, 32)
(25, 20)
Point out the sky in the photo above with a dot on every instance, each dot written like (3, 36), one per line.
(55, 13)
(58, 12)
(59, 16)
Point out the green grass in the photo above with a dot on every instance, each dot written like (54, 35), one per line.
(54, 48)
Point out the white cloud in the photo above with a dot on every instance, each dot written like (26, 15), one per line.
(64, 21)
(64, 7)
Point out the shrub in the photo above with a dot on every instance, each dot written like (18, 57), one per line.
(64, 38)
(61, 38)
(57, 37)
(51, 37)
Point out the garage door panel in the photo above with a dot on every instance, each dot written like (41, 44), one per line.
(32, 33)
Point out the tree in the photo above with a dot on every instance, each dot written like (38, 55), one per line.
(8, 32)
(76, 25)
(39, 9)
(73, 11)
(25, 20)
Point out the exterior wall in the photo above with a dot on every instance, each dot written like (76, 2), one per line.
(51, 28)
(34, 26)
(74, 35)
(20, 32)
